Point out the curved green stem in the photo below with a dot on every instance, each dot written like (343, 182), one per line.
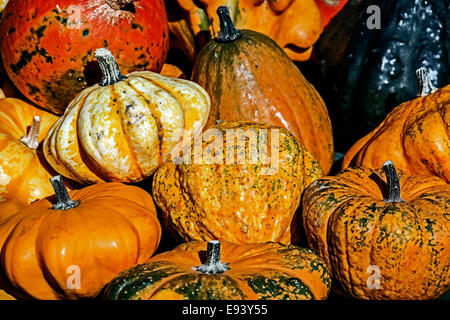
(227, 32)
(392, 182)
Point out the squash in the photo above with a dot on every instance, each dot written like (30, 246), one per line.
(249, 77)
(363, 73)
(384, 234)
(123, 128)
(23, 173)
(268, 271)
(5, 296)
(415, 135)
(71, 246)
(220, 187)
(294, 24)
(328, 9)
(171, 70)
(48, 45)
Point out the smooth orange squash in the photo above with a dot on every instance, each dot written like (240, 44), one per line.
(24, 173)
(71, 245)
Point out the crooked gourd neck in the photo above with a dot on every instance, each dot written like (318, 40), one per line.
(425, 85)
(108, 65)
(393, 184)
(213, 263)
(63, 201)
(31, 139)
(228, 31)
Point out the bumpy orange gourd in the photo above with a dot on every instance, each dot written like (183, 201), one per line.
(71, 246)
(415, 135)
(123, 128)
(294, 24)
(383, 238)
(268, 271)
(23, 172)
(222, 196)
(249, 77)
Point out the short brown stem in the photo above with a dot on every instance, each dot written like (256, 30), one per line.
(119, 4)
(227, 31)
(63, 201)
(392, 182)
(31, 139)
(425, 85)
(213, 264)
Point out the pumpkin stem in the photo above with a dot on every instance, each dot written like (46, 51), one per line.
(63, 201)
(110, 70)
(119, 4)
(392, 182)
(31, 140)
(213, 264)
(425, 85)
(227, 31)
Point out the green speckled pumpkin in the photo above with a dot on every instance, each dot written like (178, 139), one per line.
(230, 199)
(194, 271)
(383, 238)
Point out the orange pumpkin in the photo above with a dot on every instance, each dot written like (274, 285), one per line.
(24, 173)
(71, 246)
(415, 135)
(249, 77)
(383, 235)
(226, 196)
(294, 24)
(269, 271)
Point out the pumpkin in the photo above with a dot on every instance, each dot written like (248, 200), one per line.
(268, 271)
(123, 128)
(328, 9)
(363, 73)
(71, 246)
(384, 234)
(48, 46)
(249, 77)
(294, 24)
(415, 135)
(217, 188)
(23, 173)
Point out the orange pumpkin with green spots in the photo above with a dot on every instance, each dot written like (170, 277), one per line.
(48, 46)
(221, 195)
(384, 235)
(225, 271)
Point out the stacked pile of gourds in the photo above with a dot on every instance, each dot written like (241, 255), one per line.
(90, 139)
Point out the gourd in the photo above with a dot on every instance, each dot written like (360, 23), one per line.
(384, 234)
(48, 46)
(23, 172)
(415, 135)
(69, 246)
(249, 77)
(268, 271)
(240, 182)
(364, 73)
(294, 24)
(125, 127)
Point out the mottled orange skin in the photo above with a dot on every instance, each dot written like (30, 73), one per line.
(350, 225)
(113, 228)
(231, 201)
(48, 46)
(24, 173)
(294, 24)
(415, 136)
(268, 271)
(251, 78)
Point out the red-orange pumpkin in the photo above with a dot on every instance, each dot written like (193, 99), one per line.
(48, 46)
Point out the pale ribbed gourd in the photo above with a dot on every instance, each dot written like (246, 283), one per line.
(123, 128)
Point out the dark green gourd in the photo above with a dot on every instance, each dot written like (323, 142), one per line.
(362, 74)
